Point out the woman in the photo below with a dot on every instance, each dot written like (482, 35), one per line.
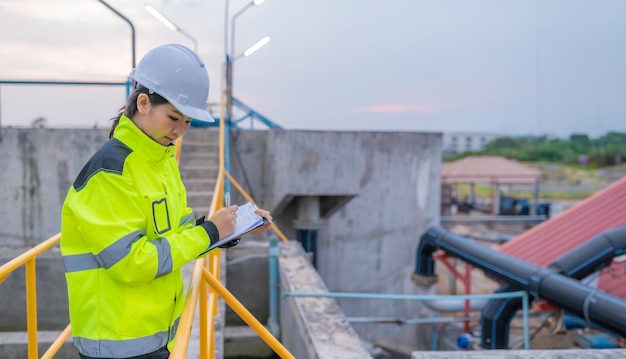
(126, 228)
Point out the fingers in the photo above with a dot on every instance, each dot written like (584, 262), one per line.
(225, 220)
(265, 214)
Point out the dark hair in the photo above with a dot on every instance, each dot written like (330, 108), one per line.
(130, 109)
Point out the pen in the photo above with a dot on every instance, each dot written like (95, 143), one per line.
(227, 199)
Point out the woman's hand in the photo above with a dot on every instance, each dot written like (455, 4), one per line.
(265, 214)
(225, 219)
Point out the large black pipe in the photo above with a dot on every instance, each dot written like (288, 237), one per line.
(496, 318)
(595, 306)
(593, 255)
(587, 258)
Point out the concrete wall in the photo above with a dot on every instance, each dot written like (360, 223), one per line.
(37, 168)
(312, 328)
(369, 244)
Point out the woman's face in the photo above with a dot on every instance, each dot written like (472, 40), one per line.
(163, 123)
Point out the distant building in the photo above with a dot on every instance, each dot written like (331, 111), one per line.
(459, 142)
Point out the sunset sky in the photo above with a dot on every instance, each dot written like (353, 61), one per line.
(510, 67)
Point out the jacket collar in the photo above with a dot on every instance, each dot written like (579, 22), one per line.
(127, 132)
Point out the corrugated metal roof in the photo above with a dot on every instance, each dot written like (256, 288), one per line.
(488, 169)
(544, 243)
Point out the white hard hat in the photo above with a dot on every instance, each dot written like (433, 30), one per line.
(177, 74)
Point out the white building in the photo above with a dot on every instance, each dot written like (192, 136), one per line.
(458, 142)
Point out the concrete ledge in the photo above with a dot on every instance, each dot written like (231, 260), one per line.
(524, 354)
(313, 327)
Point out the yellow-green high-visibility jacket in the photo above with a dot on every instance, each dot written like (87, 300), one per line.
(126, 231)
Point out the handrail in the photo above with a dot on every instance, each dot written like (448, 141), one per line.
(425, 297)
(197, 288)
(247, 316)
(249, 198)
(211, 276)
(56, 345)
(186, 319)
(28, 260)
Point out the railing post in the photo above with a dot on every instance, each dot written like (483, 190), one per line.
(274, 288)
(204, 321)
(525, 313)
(31, 308)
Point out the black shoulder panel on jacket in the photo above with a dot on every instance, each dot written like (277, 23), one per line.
(109, 158)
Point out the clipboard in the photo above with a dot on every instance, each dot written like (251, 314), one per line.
(247, 221)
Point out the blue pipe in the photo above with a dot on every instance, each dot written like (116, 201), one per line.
(517, 294)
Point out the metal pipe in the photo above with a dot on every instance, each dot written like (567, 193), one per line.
(31, 308)
(455, 305)
(593, 255)
(41, 82)
(596, 306)
(400, 321)
(517, 294)
(580, 262)
(204, 320)
(18, 261)
(58, 342)
(247, 317)
(274, 289)
(132, 28)
(385, 296)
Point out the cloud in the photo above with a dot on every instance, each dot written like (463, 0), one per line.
(401, 108)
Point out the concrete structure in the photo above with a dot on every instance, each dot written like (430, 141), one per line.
(378, 192)
(382, 191)
(36, 169)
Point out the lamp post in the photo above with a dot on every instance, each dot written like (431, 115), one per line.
(171, 25)
(230, 59)
(132, 30)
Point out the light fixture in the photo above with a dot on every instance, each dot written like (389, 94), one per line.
(256, 46)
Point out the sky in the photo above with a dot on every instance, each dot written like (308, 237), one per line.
(509, 67)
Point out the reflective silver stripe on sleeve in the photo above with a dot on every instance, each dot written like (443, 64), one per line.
(80, 262)
(165, 256)
(119, 249)
(121, 348)
(187, 219)
(174, 328)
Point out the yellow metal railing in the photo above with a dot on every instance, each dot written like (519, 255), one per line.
(206, 271)
(27, 259)
(204, 286)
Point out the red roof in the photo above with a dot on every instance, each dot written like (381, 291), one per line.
(488, 169)
(546, 242)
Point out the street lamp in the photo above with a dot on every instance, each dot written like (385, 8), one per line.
(252, 49)
(230, 59)
(132, 30)
(170, 24)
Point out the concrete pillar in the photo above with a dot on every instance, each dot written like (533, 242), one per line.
(496, 199)
(308, 223)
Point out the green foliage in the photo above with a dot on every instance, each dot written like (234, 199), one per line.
(579, 149)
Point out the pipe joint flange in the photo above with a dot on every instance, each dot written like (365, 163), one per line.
(420, 279)
(536, 279)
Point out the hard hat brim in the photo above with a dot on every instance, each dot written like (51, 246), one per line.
(194, 113)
